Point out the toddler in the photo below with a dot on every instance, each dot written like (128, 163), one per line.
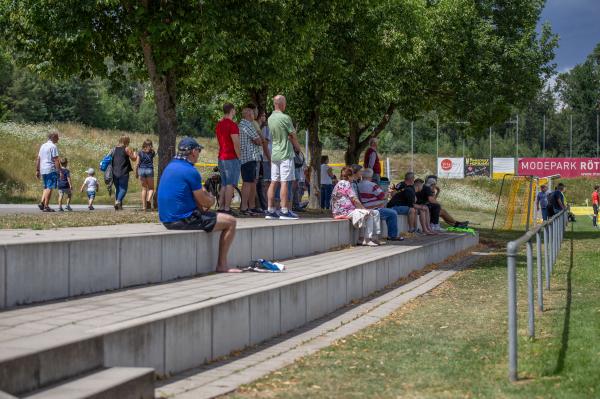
(92, 187)
(64, 185)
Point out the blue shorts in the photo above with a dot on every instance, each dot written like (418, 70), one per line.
(146, 172)
(50, 180)
(91, 194)
(401, 209)
(230, 172)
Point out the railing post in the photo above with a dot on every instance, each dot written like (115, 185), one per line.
(511, 252)
(547, 255)
(538, 258)
(530, 304)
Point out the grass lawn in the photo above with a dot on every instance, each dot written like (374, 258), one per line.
(451, 342)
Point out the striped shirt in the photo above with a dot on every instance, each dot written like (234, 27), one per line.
(370, 194)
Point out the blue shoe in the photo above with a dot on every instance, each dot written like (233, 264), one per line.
(288, 215)
(271, 215)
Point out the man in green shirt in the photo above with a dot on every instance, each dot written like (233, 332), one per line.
(282, 159)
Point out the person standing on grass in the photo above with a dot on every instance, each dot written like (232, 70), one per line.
(282, 159)
(250, 156)
(556, 202)
(595, 204)
(65, 187)
(183, 203)
(372, 160)
(541, 201)
(145, 172)
(326, 182)
(91, 187)
(228, 136)
(373, 197)
(121, 166)
(47, 167)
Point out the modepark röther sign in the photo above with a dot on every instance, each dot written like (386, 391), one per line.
(458, 168)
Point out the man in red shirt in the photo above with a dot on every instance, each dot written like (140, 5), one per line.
(595, 204)
(228, 136)
(371, 160)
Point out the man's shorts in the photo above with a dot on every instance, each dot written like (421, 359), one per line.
(50, 180)
(65, 192)
(249, 172)
(595, 206)
(91, 194)
(230, 172)
(198, 220)
(283, 170)
(401, 209)
(146, 172)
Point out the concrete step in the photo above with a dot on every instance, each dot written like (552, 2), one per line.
(39, 266)
(180, 325)
(115, 382)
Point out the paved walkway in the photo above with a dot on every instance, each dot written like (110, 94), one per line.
(31, 328)
(224, 377)
(11, 209)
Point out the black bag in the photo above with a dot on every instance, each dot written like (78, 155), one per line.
(299, 160)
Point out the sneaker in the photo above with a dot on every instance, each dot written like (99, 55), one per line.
(41, 206)
(248, 212)
(437, 227)
(91, 208)
(60, 209)
(296, 209)
(258, 211)
(289, 215)
(48, 209)
(369, 244)
(271, 215)
(116, 206)
(399, 238)
(68, 208)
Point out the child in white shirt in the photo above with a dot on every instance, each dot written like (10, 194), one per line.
(92, 187)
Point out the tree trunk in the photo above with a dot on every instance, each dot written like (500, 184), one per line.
(355, 145)
(353, 149)
(315, 147)
(259, 97)
(164, 85)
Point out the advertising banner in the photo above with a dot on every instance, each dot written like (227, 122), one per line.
(451, 168)
(477, 167)
(565, 167)
(503, 166)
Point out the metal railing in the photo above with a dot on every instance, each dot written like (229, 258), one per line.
(551, 232)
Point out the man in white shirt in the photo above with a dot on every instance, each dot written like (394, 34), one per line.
(47, 166)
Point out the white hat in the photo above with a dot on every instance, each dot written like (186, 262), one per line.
(91, 171)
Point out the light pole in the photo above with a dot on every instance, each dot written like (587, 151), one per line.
(571, 137)
(463, 135)
(517, 142)
(490, 144)
(437, 137)
(597, 135)
(544, 138)
(412, 146)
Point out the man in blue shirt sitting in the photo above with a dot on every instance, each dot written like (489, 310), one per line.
(183, 203)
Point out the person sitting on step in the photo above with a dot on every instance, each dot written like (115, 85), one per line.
(183, 203)
(346, 205)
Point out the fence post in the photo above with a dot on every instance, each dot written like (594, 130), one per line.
(511, 250)
(547, 255)
(538, 258)
(530, 304)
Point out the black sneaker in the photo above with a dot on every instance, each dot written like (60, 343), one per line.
(48, 209)
(68, 208)
(91, 208)
(41, 206)
(257, 211)
(60, 209)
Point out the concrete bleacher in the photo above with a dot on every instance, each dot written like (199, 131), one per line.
(112, 339)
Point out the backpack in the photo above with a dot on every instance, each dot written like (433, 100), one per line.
(106, 161)
(299, 160)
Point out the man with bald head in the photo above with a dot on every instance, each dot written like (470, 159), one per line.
(284, 143)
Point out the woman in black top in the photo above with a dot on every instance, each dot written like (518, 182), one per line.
(121, 166)
(145, 172)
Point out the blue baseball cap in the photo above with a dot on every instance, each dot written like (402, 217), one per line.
(188, 144)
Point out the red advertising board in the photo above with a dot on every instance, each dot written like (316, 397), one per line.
(565, 167)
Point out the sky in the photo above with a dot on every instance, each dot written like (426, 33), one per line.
(577, 22)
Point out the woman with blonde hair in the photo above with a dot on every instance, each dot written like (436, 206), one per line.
(121, 166)
(145, 172)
